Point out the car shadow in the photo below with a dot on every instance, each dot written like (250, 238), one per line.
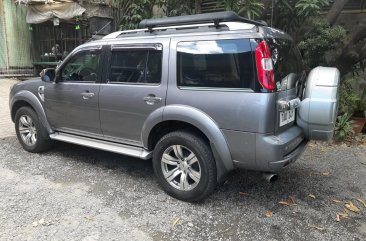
(241, 186)
(108, 160)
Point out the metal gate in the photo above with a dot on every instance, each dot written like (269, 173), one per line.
(15, 39)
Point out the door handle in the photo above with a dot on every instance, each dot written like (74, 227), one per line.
(86, 95)
(152, 99)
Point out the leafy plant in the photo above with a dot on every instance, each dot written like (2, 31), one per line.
(291, 15)
(142, 9)
(246, 8)
(352, 96)
(250, 8)
(343, 128)
(307, 8)
(229, 5)
(318, 41)
(348, 99)
(135, 12)
(177, 8)
(361, 103)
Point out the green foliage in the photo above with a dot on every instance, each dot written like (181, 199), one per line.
(285, 16)
(136, 12)
(142, 9)
(250, 8)
(246, 8)
(361, 103)
(177, 8)
(317, 42)
(343, 128)
(229, 5)
(307, 8)
(348, 97)
(290, 15)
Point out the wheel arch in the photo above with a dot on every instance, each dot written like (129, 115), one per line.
(27, 98)
(176, 117)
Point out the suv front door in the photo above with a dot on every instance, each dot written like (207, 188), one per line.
(71, 103)
(135, 86)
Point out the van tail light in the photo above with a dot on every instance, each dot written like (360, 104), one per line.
(264, 66)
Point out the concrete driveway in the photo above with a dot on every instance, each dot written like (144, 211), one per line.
(77, 193)
(6, 125)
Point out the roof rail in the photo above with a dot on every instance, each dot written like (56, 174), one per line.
(230, 25)
(215, 18)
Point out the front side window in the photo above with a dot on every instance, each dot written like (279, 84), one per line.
(215, 64)
(82, 67)
(136, 66)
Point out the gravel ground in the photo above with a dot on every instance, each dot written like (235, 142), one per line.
(76, 193)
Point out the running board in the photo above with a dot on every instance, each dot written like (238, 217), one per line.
(127, 150)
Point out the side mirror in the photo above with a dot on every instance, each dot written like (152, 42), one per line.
(48, 75)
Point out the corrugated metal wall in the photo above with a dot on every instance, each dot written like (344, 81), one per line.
(15, 40)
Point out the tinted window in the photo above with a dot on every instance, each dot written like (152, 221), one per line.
(286, 59)
(221, 64)
(82, 67)
(136, 66)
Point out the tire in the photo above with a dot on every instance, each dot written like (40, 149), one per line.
(177, 172)
(34, 137)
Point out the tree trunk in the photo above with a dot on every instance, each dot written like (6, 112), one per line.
(335, 10)
(349, 57)
(354, 50)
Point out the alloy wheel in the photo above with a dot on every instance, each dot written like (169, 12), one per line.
(27, 130)
(181, 168)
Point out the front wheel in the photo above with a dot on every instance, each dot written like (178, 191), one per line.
(184, 166)
(30, 131)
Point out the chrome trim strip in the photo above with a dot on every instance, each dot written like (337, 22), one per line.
(137, 46)
(285, 104)
(85, 48)
(215, 89)
(103, 145)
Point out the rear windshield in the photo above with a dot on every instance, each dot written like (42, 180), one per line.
(215, 64)
(287, 62)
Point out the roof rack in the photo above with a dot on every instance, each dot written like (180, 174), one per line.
(192, 27)
(215, 18)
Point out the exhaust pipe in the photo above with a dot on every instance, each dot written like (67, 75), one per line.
(270, 177)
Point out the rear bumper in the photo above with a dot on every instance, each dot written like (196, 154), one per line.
(290, 158)
(276, 152)
(267, 153)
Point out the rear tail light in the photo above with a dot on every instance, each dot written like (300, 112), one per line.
(264, 66)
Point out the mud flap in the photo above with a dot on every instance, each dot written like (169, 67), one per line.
(318, 109)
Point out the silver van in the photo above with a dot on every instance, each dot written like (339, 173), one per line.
(201, 95)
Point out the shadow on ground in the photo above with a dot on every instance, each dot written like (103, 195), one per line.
(237, 209)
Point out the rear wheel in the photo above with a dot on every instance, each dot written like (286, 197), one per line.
(184, 166)
(30, 131)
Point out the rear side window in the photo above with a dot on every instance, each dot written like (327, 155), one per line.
(136, 66)
(215, 64)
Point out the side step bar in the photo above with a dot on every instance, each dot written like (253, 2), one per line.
(127, 150)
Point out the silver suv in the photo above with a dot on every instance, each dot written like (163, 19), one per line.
(201, 95)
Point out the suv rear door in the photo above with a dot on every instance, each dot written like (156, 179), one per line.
(289, 76)
(135, 85)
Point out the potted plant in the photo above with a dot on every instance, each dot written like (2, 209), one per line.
(352, 100)
(343, 128)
